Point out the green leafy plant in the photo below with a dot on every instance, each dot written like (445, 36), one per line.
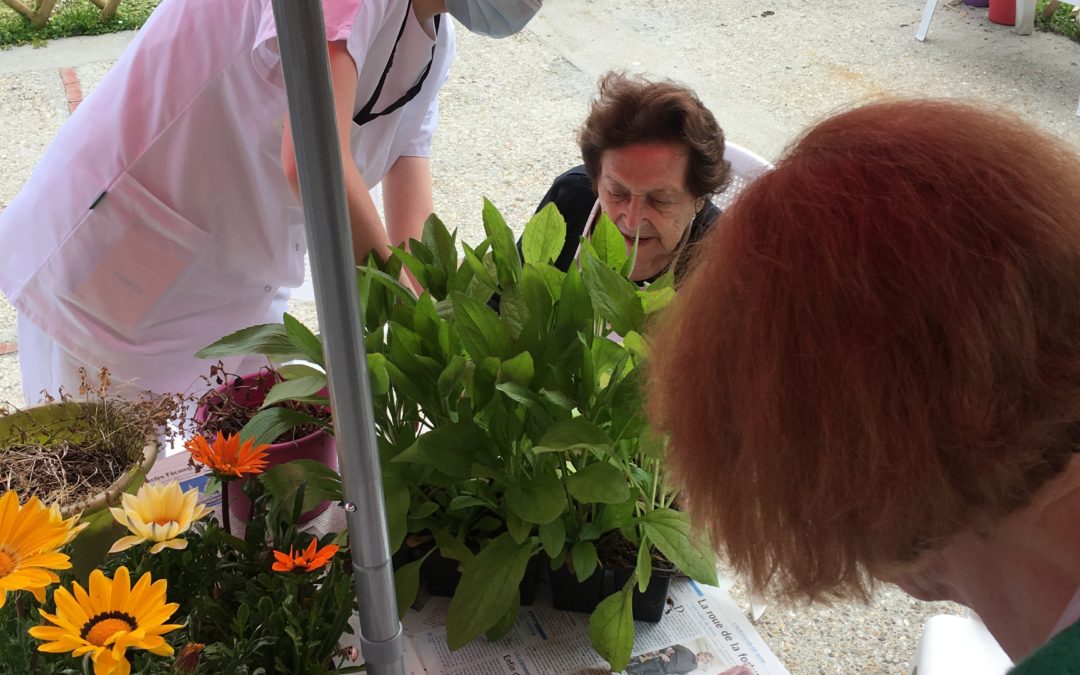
(513, 433)
(520, 430)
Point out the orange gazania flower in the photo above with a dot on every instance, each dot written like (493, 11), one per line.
(227, 457)
(307, 560)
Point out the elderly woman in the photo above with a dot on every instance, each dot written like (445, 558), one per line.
(873, 372)
(653, 155)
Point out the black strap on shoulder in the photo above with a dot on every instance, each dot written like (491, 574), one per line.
(366, 113)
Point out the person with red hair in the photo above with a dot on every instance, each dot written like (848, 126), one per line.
(872, 374)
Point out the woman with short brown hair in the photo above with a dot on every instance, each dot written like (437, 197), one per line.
(873, 372)
(653, 155)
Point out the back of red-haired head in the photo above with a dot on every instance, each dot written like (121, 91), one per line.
(880, 344)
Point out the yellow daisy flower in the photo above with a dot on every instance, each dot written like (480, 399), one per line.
(112, 618)
(30, 538)
(157, 513)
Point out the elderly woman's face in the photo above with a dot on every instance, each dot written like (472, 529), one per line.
(643, 190)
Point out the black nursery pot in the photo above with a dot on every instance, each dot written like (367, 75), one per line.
(650, 605)
(441, 577)
(569, 594)
(531, 581)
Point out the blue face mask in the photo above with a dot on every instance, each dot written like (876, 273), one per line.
(494, 18)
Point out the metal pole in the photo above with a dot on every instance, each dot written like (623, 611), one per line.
(302, 43)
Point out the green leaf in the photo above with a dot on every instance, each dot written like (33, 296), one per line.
(480, 271)
(403, 292)
(670, 532)
(378, 375)
(575, 309)
(643, 571)
(656, 299)
(482, 334)
(518, 370)
(266, 426)
(270, 339)
(451, 547)
(544, 236)
(407, 585)
(636, 344)
(425, 274)
(611, 627)
(507, 261)
(514, 311)
(438, 238)
(321, 483)
(462, 502)
(451, 449)
(609, 245)
(614, 516)
(423, 510)
(585, 560)
(574, 433)
(553, 537)
(518, 528)
(612, 294)
(539, 500)
(598, 483)
(488, 589)
(304, 339)
(503, 625)
(294, 371)
(451, 376)
(302, 388)
(589, 532)
(537, 296)
(528, 398)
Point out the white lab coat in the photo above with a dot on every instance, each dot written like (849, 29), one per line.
(159, 218)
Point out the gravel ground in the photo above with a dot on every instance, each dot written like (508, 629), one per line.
(767, 69)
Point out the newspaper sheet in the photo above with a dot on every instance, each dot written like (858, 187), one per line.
(703, 631)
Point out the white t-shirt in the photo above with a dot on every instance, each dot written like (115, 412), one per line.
(159, 218)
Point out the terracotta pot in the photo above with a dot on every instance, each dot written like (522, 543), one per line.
(318, 445)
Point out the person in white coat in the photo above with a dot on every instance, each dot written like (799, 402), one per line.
(165, 212)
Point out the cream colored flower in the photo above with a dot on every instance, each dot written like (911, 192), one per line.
(158, 513)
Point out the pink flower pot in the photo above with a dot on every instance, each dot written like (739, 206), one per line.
(318, 446)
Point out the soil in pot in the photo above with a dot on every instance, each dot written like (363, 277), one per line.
(235, 401)
(619, 556)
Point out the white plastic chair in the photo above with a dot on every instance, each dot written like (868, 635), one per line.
(953, 644)
(1025, 21)
(746, 166)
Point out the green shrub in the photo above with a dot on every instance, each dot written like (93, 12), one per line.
(70, 18)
